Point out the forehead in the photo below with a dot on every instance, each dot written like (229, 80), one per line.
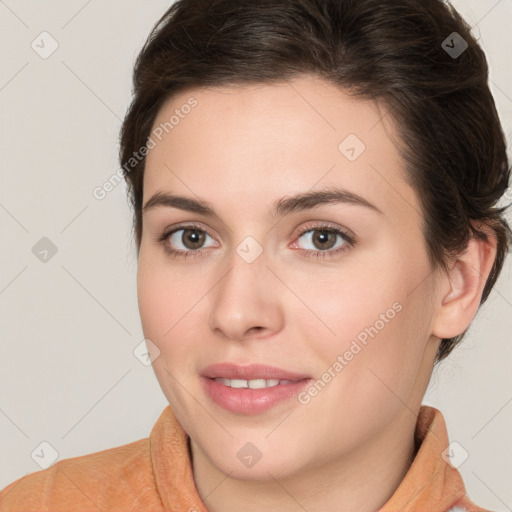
(260, 142)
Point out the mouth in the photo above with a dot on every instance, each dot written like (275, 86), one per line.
(253, 383)
(251, 389)
(252, 372)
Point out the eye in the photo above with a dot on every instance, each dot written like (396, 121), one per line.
(324, 241)
(184, 240)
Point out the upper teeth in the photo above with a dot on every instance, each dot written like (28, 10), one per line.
(253, 384)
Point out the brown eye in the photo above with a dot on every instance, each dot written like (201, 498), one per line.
(324, 239)
(185, 239)
(192, 238)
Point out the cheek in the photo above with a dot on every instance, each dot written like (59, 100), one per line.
(171, 312)
(165, 295)
(368, 331)
(167, 317)
(345, 305)
(387, 368)
(154, 302)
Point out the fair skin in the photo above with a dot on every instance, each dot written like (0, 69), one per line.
(240, 150)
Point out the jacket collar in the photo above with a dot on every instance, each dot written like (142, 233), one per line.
(430, 484)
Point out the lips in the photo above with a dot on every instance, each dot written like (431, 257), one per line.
(252, 389)
(250, 372)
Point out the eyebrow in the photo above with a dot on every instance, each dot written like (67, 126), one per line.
(281, 207)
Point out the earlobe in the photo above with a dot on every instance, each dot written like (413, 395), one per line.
(465, 281)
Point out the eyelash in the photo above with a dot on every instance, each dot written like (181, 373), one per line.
(348, 239)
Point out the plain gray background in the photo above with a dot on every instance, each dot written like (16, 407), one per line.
(69, 325)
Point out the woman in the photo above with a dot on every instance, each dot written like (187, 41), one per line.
(315, 188)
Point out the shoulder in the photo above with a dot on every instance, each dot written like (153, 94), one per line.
(108, 479)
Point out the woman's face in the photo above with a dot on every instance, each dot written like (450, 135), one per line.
(266, 280)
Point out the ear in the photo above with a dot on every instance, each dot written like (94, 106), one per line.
(462, 287)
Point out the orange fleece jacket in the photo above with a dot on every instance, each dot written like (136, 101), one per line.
(155, 474)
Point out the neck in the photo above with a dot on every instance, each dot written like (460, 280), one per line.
(361, 480)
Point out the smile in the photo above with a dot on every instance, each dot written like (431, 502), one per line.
(252, 384)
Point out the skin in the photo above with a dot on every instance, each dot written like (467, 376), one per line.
(240, 149)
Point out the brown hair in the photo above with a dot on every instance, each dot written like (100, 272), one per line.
(390, 50)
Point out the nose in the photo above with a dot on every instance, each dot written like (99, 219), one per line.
(245, 302)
